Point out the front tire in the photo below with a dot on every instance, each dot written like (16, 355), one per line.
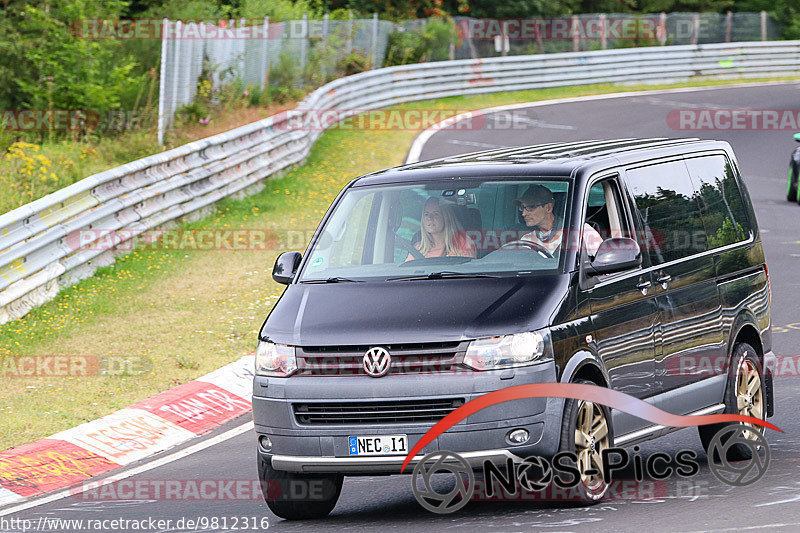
(744, 395)
(791, 190)
(586, 432)
(295, 496)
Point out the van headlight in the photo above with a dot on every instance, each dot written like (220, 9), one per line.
(275, 360)
(509, 351)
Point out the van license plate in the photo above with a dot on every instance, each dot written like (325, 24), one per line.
(379, 445)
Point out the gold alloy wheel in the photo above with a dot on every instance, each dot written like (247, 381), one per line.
(591, 438)
(749, 394)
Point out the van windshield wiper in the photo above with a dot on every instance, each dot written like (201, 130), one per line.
(335, 279)
(446, 274)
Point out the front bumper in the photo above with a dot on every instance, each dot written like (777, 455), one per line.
(482, 436)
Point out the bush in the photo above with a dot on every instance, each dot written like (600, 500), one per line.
(438, 35)
(405, 47)
(255, 96)
(197, 111)
(285, 81)
(279, 10)
(353, 64)
(430, 42)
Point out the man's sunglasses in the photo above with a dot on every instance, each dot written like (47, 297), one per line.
(526, 207)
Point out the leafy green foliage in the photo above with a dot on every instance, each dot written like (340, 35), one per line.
(353, 64)
(727, 234)
(784, 12)
(430, 42)
(45, 67)
(279, 10)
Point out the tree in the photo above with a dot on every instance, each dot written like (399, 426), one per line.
(44, 66)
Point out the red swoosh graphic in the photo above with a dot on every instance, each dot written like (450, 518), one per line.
(577, 391)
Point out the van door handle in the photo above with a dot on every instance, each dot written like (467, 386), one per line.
(664, 280)
(644, 286)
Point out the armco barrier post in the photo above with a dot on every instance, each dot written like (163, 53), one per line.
(728, 26)
(176, 66)
(304, 43)
(351, 30)
(265, 62)
(576, 36)
(162, 89)
(603, 31)
(374, 40)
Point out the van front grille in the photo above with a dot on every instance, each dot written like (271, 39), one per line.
(420, 358)
(393, 412)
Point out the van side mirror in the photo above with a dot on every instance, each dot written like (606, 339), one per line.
(615, 255)
(286, 267)
(797, 137)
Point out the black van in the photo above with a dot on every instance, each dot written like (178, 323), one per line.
(633, 264)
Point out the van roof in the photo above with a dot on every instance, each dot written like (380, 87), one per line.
(552, 159)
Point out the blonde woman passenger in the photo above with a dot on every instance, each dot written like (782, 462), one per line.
(442, 235)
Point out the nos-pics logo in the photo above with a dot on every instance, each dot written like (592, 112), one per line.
(444, 482)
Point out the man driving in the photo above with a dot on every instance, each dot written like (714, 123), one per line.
(536, 205)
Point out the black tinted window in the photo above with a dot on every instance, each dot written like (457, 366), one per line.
(724, 213)
(668, 206)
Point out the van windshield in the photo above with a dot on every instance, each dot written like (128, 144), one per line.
(451, 228)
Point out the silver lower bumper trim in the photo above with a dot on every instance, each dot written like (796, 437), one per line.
(391, 465)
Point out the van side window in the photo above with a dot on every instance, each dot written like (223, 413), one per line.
(605, 214)
(604, 210)
(669, 210)
(724, 213)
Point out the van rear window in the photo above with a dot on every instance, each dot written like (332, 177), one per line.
(669, 209)
(724, 212)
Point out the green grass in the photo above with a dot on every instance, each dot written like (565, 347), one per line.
(186, 311)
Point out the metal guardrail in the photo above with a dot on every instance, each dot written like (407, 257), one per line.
(39, 250)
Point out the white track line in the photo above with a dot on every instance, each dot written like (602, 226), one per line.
(200, 446)
(420, 140)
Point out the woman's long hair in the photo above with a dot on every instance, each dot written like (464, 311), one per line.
(451, 226)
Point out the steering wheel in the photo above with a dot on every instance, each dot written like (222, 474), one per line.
(526, 245)
(407, 245)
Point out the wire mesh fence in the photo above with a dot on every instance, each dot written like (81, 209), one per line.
(309, 52)
(250, 50)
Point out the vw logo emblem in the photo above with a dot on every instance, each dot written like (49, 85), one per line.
(377, 362)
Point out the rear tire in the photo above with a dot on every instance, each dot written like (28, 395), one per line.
(791, 192)
(745, 394)
(586, 432)
(295, 496)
